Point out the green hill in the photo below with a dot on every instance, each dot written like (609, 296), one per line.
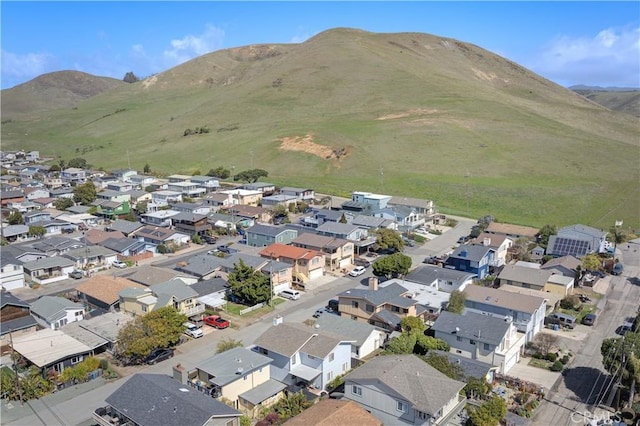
(405, 114)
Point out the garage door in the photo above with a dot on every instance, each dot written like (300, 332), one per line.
(511, 362)
(316, 273)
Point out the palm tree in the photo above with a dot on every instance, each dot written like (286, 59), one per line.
(618, 236)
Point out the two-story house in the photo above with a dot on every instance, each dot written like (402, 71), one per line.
(404, 390)
(73, 176)
(159, 218)
(426, 208)
(187, 189)
(208, 183)
(481, 337)
(304, 356)
(371, 200)
(306, 264)
(11, 270)
(15, 319)
(338, 252)
(191, 223)
(260, 235)
(179, 295)
(240, 376)
(471, 258)
(577, 241)
(499, 243)
(305, 195)
(165, 197)
(525, 311)
(243, 196)
(91, 257)
(53, 312)
(444, 279)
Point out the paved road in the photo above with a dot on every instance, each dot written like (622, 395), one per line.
(74, 406)
(584, 391)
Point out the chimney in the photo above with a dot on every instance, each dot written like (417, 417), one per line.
(373, 283)
(486, 242)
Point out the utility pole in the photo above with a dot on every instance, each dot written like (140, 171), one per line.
(15, 367)
(382, 178)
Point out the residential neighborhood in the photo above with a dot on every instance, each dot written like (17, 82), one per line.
(438, 302)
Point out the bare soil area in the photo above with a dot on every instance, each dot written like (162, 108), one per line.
(307, 144)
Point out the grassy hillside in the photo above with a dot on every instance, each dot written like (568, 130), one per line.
(627, 101)
(407, 114)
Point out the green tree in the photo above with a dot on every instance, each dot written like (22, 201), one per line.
(621, 359)
(490, 413)
(424, 344)
(388, 239)
(591, 262)
(443, 365)
(33, 385)
(85, 194)
(616, 236)
(78, 162)
(130, 77)
(147, 169)
(291, 405)
(476, 388)
(219, 172)
(544, 233)
(196, 172)
(37, 231)
(15, 218)
(249, 285)
(394, 265)
(251, 175)
(54, 168)
(142, 207)
(227, 344)
(402, 344)
(456, 303)
(130, 217)
(157, 329)
(196, 239)
(343, 218)
(63, 203)
(411, 324)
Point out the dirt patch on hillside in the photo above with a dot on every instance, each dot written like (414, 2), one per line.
(410, 113)
(481, 75)
(306, 144)
(150, 81)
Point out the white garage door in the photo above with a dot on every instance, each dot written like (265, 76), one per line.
(511, 362)
(316, 273)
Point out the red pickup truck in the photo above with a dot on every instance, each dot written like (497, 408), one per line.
(216, 321)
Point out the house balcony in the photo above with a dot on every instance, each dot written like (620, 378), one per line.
(194, 310)
(107, 416)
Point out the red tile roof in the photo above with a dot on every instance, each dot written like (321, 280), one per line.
(278, 250)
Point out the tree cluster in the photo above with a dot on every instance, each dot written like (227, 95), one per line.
(219, 172)
(412, 340)
(249, 285)
(85, 194)
(130, 77)
(394, 265)
(389, 240)
(456, 303)
(621, 359)
(63, 203)
(490, 413)
(27, 386)
(157, 329)
(196, 131)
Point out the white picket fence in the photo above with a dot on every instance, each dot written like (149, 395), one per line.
(251, 308)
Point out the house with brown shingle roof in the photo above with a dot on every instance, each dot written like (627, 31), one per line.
(102, 290)
(96, 236)
(307, 264)
(334, 412)
(512, 231)
(499, 243)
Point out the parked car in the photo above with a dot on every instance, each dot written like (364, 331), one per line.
(561, 320)
(361, 262)
(625, 328)
(216, 321)
(617, 269)
(76, 274)
(463, 239)
(192, 330)
(589, 319)
(119, 264)
(158, 355)
(332, 305)
(357, 271)
(226, 249)
(210, 239)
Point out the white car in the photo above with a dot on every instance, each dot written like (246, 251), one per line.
(357, 271)
(119, 264)
(193, 330)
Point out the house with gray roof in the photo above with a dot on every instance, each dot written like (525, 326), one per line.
(565, 265)
(444, 279)
(302, 354)
(53, 312)
(279, 199)
(373, 222)
(212, 292)
(179, 295)
(149, 275)
(159, 400)
(525, 311)
(475, 259)
(91, 256)
(482, 337)
(302, 194)
(381, 306)
(403, 218)
(49, 269)
(11, 270)
(470, 367)
(426, 208)
(201, 266)
(577, 241)
(100, 332)
(238, 375)
(404, 390)
(127, 246)
(124, 226)
(260, 235)
(365, 337)
(13, 233)
(343, 230)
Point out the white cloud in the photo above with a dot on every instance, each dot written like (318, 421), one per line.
(191, 46)
(17, 67)
(609, 58)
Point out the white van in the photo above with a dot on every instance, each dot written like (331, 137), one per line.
(290, 294)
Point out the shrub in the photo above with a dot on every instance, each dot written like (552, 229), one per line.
(537, 355)
(104, 364)
(552, 356)
(557, 366)
(565, 359)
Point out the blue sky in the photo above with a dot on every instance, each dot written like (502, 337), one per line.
(577, 42)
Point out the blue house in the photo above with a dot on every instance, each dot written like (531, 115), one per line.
(471, 258)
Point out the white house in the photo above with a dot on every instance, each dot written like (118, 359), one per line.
(301, 354)
(366, 338)
(53, 312)
(499, 243)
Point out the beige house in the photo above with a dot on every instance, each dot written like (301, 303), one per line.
(380, 306)
(137, 301)
(240, 376)
(338, 252)
(525, 277)
(307, 264)
(243, 196)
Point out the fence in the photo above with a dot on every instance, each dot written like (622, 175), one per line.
(251, 308)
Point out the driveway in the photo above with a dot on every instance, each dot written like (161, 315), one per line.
(539, 376)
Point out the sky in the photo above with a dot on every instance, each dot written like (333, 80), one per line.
(570, 43)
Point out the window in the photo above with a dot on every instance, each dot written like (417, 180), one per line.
(473, 342)
(293, 360)
(345, 366)
(76, 359)
(354, 304)
(246, 376)
(331, 356)
(421, 415)
(369, 308)
(487, 347)
(356, 390)
(144, 308)
(329, 376)
(402, 406)
(78, 313)
(395, 309)
(459, 339)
